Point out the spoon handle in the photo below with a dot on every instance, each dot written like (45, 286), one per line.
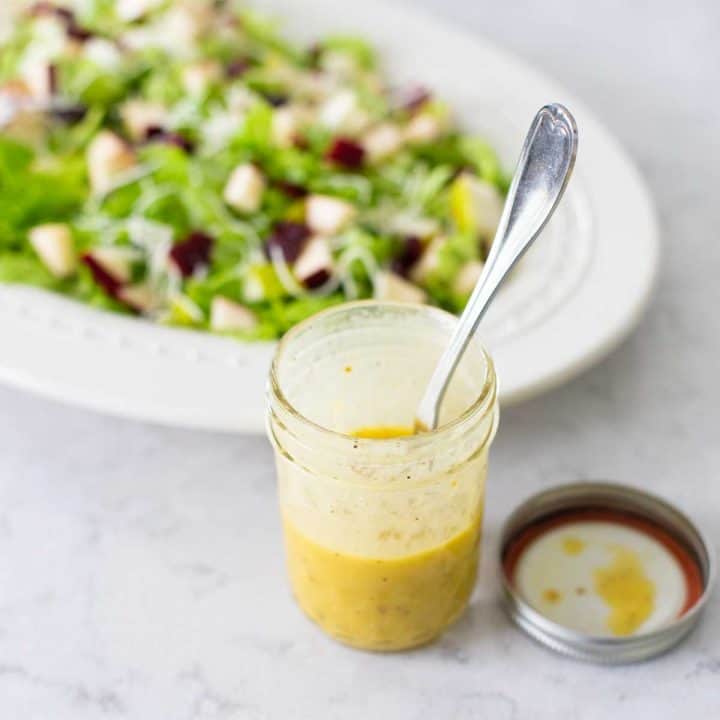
(542, 173)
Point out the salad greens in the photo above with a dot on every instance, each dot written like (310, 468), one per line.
(184, 161)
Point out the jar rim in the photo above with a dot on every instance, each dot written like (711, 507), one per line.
(485, 401)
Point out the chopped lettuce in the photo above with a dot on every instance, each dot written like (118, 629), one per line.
(225, 90)
(32, 192)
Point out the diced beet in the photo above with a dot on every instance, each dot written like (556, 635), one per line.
(69, 114)
(275, 99)
(291, 189)
(52, 78)
(346, 152)
(178, 140)
(414, 98)
(77, 32)
(156, 133)
(192, 252)
(109, 283)
(236, 68)
(317, 279)
(290, 238)
(65, 13)
(409, 254)
(300, 142)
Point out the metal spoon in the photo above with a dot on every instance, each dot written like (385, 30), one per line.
(541, 176)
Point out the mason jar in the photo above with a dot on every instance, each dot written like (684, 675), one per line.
(382, 526)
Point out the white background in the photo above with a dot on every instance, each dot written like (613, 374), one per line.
(141, 568)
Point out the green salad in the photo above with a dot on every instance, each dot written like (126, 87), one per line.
(183, 161)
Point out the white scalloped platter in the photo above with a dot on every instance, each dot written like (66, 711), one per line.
(579, 291)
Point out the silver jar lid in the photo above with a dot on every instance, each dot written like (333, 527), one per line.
(604, 572)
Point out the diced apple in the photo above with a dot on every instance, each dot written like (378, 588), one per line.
(184, 22)
(117, 262)
(140, 297)
(475, 205)
(423, 128)
(103, 53)
(253, 288)
(50, 39)
(228, 315)
(41, 79)
(218, 130)
(240, 99)
(175, 30)
(286, 124)
(140, 115)
(339, 64)
(391, 287)
(15, 91)
(132, 10)
(198, 77)
(429, 261)
(326, 215)
(107, 156)
(245, 188)
(341, 112)
(18, 118)
(315, 264)
(54, 245)
(315, 87)
(382, 141)
(338, 108)
(468, 277)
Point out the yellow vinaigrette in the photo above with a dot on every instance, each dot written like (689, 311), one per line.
(384, 432)
(383, 603)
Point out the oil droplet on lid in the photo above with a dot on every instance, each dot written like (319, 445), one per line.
(551, 595)
(573, 545)
(626, 590)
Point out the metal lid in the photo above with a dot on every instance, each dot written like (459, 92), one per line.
(604, 572)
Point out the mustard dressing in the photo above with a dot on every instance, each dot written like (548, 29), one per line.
(383, 603)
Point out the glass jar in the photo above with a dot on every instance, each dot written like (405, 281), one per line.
(381, 534)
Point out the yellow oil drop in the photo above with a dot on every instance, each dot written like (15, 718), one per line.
(383, 432)
(627, 591)
(552, 596)
(573, 545)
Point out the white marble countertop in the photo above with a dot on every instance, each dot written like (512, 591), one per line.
(141, 568)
